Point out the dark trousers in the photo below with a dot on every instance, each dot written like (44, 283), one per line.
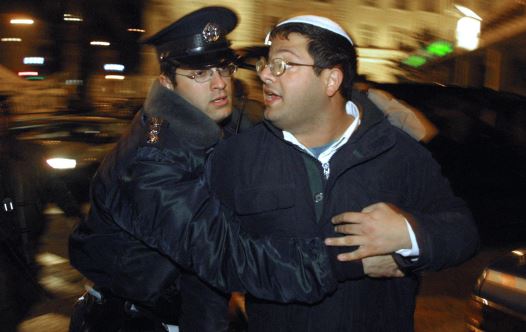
(110, 314)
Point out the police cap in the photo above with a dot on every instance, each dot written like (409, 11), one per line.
(197, 40)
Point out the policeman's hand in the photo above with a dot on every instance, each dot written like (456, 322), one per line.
(383, 266)
(377, 230)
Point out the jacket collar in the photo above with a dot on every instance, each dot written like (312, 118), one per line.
(373, 120)
(183, 118)
(371, 115)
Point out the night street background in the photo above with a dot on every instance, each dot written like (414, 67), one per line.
(460, 64)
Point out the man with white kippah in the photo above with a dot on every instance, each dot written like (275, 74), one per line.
(322, 164)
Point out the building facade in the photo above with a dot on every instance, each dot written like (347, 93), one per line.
(499, 62)
(385, 31)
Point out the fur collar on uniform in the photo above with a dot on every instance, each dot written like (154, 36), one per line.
(183, 118)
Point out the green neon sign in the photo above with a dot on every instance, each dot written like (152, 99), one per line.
(415, 61)
(439, 48)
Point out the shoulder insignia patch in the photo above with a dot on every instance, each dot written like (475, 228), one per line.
(154, 130)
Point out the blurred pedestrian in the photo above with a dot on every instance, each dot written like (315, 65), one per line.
(322, 156)
(26, 186)
(399, 114)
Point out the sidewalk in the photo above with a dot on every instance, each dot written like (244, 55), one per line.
(63, 283)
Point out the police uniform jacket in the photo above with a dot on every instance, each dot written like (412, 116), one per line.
(270, 184)
(120, 264)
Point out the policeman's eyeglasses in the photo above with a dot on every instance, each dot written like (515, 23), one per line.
(205, 75)
(277, 66)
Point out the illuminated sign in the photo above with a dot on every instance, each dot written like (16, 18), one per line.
(415, 61)
(114, 77)
(28, 73)
(468, 33)
(439, 48)
(468, 29)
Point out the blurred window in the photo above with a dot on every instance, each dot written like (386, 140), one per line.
(370, 3)
(400, 4)
(400, 38)
(368, 35)
(4, 105)
(430, 6)
(485, 5)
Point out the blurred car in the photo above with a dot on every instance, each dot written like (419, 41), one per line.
(481, 147)
(498, 301)
(74, 145)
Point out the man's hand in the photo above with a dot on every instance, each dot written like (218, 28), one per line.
(378, 230)
(381, 267)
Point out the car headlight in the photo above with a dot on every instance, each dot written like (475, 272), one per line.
(62, 163)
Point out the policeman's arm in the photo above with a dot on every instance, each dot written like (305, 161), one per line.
(171, 210)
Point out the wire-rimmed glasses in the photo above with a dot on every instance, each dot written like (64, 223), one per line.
(277, 66)
(205, 75)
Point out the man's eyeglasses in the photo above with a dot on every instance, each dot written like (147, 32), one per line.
(277, 66)
(205, 75)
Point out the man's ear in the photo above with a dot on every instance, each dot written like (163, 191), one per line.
(333, 81)
(166, 82)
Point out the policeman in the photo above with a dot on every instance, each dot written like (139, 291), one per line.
(191, 101)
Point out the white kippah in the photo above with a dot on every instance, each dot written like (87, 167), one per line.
(318, 21)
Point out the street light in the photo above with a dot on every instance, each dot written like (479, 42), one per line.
(468, 29)
(99, 43)
(33, 60)
(22, 21)
(27, 73)
(114, 77)
(72, 18)
(11, 40)
(468, 12)
(113, 67)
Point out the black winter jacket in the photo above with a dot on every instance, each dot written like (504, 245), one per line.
(266, 183)
(122, 265)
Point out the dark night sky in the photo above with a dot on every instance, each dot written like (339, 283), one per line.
(105, 19)
(106, 16)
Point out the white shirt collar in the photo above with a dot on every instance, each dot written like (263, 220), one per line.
(326, 155)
